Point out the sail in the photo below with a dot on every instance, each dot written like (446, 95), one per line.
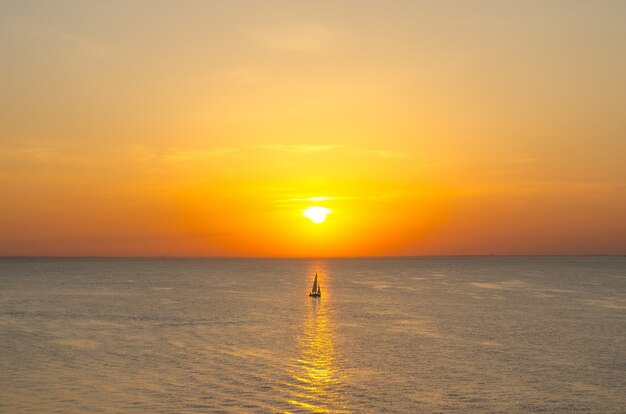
(314, 284)
(319, 289)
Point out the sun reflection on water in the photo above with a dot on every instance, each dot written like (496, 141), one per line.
(316, 381)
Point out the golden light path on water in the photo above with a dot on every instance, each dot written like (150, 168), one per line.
(316, 380)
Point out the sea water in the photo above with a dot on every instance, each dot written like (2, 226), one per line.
(405, 335)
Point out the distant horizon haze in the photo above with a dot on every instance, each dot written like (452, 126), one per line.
(460, 256)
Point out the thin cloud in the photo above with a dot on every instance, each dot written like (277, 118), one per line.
(303, 148)
(317, 199)
(386, 154)
(521, 161)
(78, 44)
(191, 155)
(81, 44)
(194, 154)
(552, 187)
(28, 154)
(304, 38)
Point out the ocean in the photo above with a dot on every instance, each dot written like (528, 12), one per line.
(396, 335)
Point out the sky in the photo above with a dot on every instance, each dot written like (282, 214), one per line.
(205, 128)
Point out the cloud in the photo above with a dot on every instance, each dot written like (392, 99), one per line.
(299, 148)
(27, 155)
(194, 155)
(386, 154)
(270, 152)
(197, 154)
(304, 38)
(73, 43)
(81, 44)
(522, 161)
(316, 199)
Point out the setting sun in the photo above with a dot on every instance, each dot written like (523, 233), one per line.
(316, 214)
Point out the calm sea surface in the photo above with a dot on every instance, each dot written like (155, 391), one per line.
(448, 335)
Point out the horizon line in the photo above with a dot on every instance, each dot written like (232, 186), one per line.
(3, 257)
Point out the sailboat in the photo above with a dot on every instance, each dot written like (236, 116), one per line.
(316, 291)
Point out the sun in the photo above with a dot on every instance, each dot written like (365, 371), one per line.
(316, 214)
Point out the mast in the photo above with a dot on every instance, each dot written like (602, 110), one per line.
(319, 289)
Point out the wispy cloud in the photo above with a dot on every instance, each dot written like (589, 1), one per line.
(54, 38)
(238, 74)
(191, 155)
(521, 161)
(195, 154)
(315, 199)
(303, 38)
(29, 154)
(552, 187)
(385, 154)
(81, 44)
(299, 148)
(74, 43)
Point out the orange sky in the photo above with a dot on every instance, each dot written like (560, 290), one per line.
(206, 128)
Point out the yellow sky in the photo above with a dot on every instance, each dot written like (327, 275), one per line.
(205, 128)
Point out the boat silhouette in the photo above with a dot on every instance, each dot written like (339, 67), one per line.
(316, 291)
